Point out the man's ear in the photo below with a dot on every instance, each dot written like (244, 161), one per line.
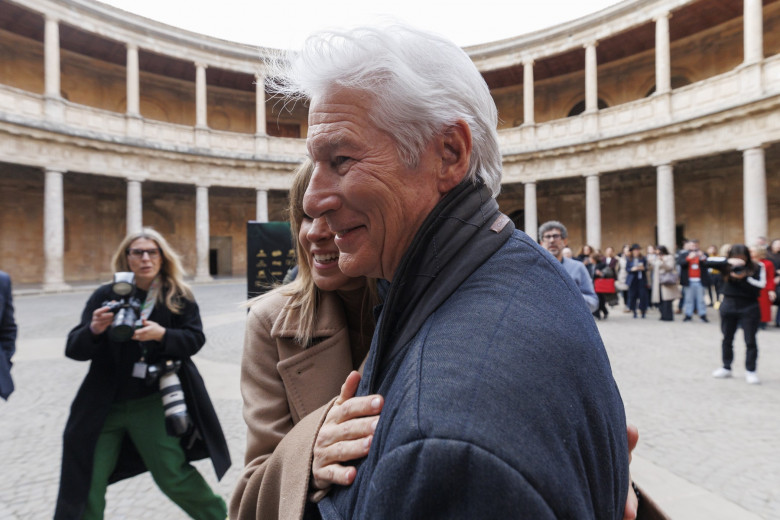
(455, 154)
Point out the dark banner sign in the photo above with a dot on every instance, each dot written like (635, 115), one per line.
(269, 255)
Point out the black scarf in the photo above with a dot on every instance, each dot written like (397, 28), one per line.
(462, 231)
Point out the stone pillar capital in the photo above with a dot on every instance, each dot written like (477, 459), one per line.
(55, 169)
(528, 62)
(659, 164)
(590, 44)
(664, 15)
(201, 65)
(752, 146)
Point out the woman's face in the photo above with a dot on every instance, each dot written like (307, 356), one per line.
(775, 246)
(636, 253)
(317, 240)
(145, 260)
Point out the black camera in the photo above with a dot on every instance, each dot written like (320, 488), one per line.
(177, 419)
(126, 310)
(739, 269)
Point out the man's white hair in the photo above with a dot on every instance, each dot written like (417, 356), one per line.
(421, 83)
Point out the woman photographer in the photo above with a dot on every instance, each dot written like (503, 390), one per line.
(743, 280)
(117, 426)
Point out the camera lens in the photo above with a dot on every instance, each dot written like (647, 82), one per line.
(123, 325)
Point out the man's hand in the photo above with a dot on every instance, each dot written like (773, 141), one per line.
(101, 320)
(151, 331)
(632, 503)
(345, 435)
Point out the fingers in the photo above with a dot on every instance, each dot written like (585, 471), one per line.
(101, 319)
(345, 435)
(326, 464)
(632, 503)
(334, 474)
(350, 386)
(632, 432)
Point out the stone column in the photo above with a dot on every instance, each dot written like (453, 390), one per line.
(663, 61)
(593, 210)
(51, 55)
(133, 82)
(202, 234)
(528, 92)
(134, 206)
(261, 215)
(200, 96)
(531, 217)
(665, 206)
(260, 104)
(753, 31)
(591, 78)
(53, 231)
(754, 194)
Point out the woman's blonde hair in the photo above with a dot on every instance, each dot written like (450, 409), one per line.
(303, 293)
(174, 288)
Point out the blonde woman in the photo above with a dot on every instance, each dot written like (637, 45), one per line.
(117, 426)
(303, 340)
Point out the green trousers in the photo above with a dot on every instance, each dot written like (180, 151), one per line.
(144, 421)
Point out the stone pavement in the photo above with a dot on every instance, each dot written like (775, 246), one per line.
(708, 449)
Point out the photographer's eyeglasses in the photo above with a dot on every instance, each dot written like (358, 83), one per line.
(139, 253)
(549, 238)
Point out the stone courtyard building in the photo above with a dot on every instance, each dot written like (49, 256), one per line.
(645, 122)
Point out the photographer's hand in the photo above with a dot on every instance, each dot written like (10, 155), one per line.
(101, 320)
(151, 331)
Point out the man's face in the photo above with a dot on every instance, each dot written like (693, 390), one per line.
(370, 199)
(553, 241)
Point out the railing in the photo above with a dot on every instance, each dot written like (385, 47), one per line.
(731, 89)
(734, 88)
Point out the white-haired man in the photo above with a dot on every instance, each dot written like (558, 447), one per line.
(499, 397)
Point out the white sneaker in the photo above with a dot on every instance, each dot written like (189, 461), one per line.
(752, 378)
(723, 373)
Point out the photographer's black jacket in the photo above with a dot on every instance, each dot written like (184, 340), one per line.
(110, 379)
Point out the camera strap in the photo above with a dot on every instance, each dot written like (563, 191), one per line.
(140, 366)
(151, 297)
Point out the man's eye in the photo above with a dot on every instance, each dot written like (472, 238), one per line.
(340, 161)
(307, 217)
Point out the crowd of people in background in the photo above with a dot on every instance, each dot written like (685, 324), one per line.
(736, 280)
(654, 278)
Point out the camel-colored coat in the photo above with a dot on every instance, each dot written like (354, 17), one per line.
(282, 383)
(660, 292)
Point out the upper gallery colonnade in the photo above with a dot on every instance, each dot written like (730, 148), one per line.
(223, 131)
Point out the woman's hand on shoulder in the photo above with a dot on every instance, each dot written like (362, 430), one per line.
(150, 331)
(345, 435)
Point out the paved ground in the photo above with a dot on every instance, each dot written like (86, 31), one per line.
(708, 448)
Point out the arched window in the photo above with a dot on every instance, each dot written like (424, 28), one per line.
(579, 108)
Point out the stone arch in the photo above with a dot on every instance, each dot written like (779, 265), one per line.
(579, 107)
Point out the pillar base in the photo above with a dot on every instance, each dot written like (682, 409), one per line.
(261, 144)
(751, 78)
(134, 125)
(54, 108)
(202, 136)
(56, 287)
(202, 278)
